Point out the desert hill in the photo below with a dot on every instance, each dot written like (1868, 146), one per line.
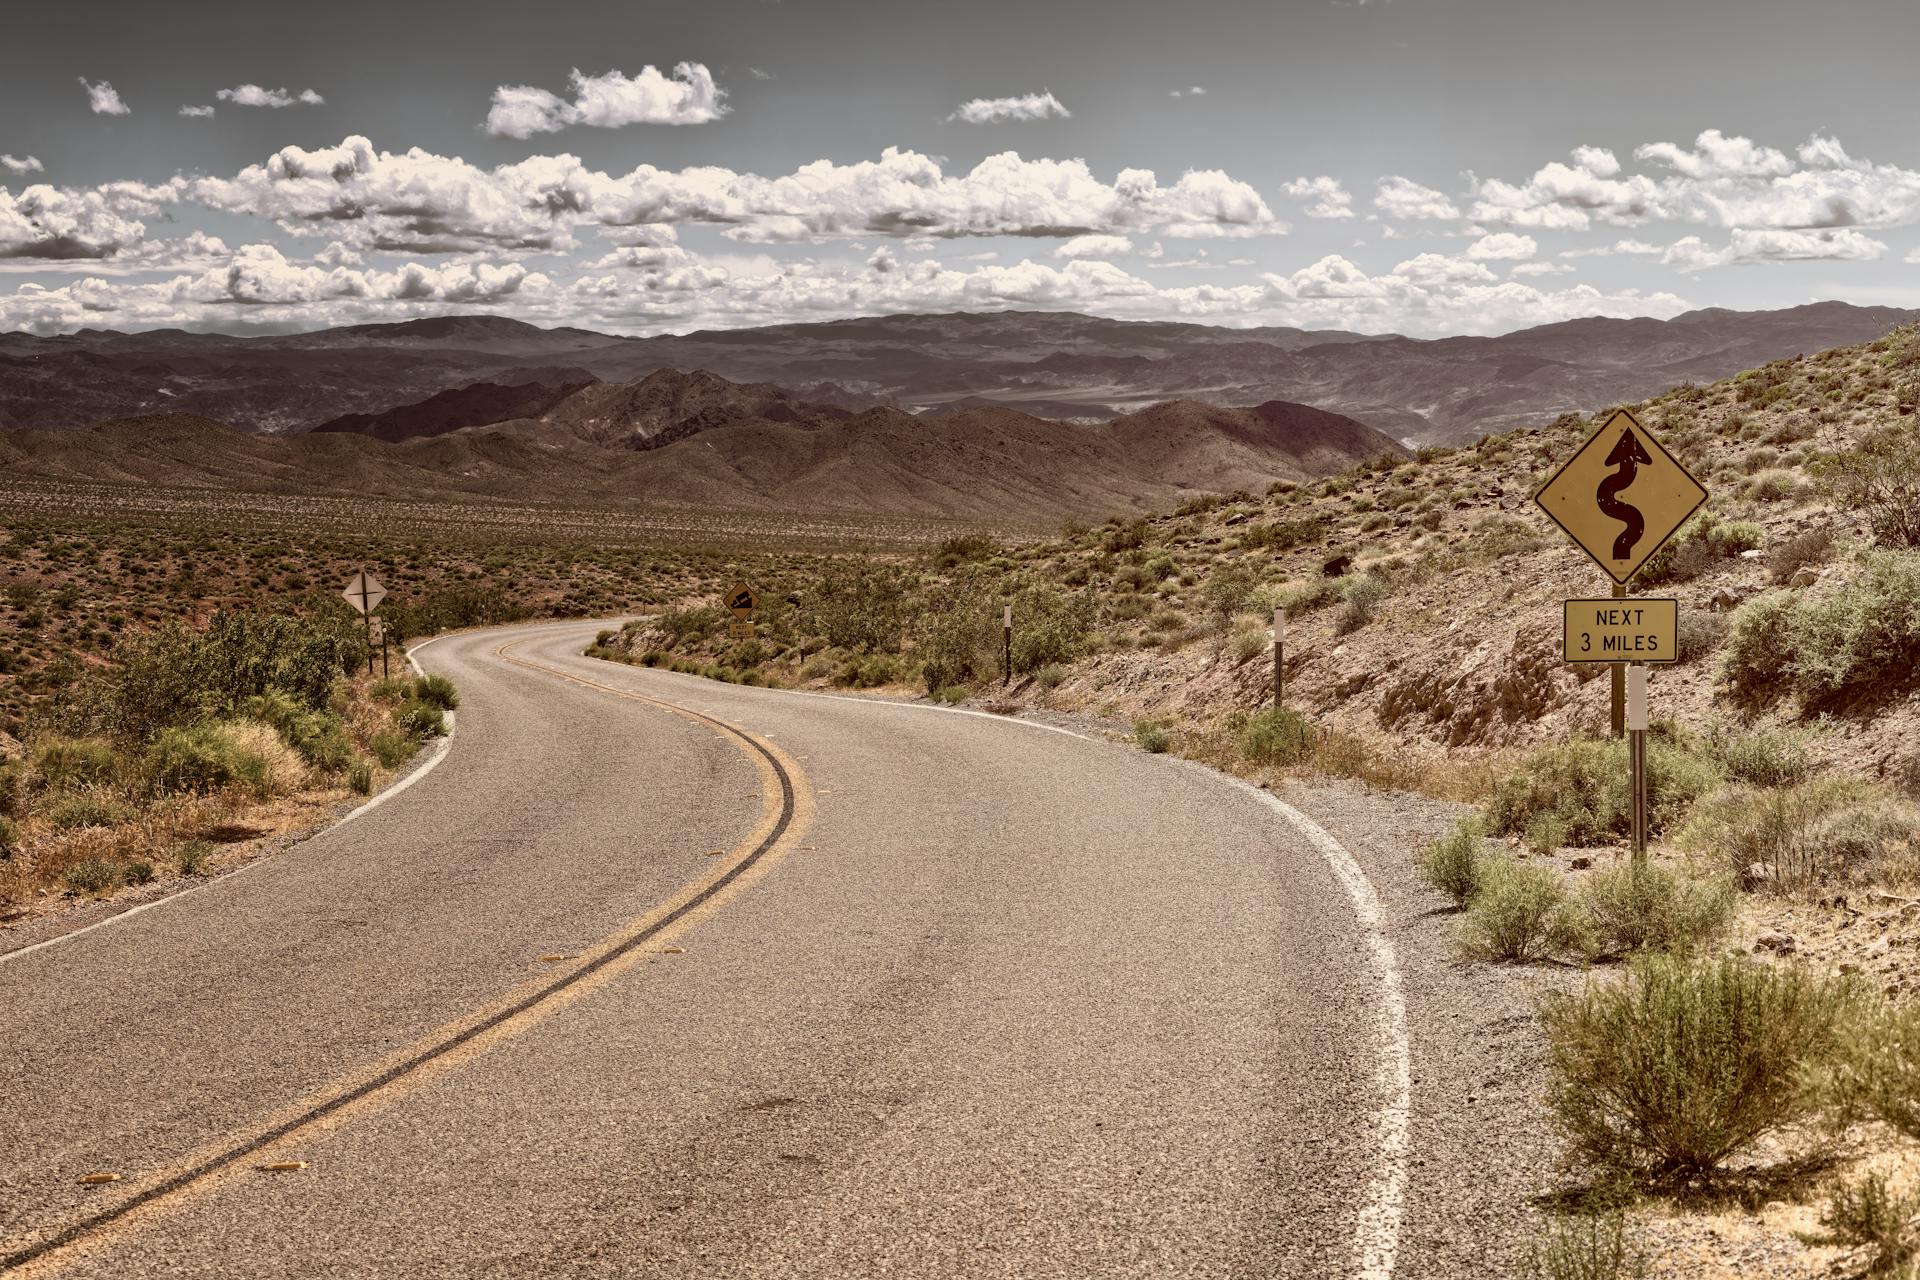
(1051, 364)
(697, 439)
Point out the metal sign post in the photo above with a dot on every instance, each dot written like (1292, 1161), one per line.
(1279, 657)
(1637, 757)
(1006, 640)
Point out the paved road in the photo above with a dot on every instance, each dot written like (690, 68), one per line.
(653, 976)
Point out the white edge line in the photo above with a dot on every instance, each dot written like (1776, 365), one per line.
(414, 775)
(1377, 1227)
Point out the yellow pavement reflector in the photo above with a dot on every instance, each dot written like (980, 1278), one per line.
(95, 1179)
(673, 951)
(284, 1166)
(552, 956)
(716, 853)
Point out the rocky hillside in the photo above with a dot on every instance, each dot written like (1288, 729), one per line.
(1423, 594)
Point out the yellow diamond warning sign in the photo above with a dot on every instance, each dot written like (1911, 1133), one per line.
(742, 599)
(1622, 631)
(1621, 496)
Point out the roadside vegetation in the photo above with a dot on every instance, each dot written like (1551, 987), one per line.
(198, 739)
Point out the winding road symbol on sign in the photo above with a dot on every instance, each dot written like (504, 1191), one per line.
(1621, 495)
(1627, 455)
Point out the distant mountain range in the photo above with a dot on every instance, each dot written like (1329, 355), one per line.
(390, 380)
(700, 440)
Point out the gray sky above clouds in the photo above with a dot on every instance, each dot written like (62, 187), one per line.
(1425, 166)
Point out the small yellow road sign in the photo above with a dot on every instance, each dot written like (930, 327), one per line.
(1621, 496)
(741, 630)
(1621, 631)
(741, 599)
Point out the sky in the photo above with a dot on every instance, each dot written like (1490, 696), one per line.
(1429, 167)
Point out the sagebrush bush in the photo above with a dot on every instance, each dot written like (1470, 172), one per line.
(320, 737)
(1683, 1065)
(73, 808)
(1762, 757)
(1520, 913)
(57, 762)
(1881, 478)
(1862, 639)
(1580, 792)
(1875, 1069)
(1453, 863)
(94, 875)
(1586, 1246)
(360, 778)
(1277, 736)
(202, 759)
(1151, 735)
(393, 749)
(420, 719)
(1804, 551)
(1869, 1214)
(1826, 829)
(438, 690)
(1653, 908)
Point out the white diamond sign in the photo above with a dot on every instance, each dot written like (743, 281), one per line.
(364, 592)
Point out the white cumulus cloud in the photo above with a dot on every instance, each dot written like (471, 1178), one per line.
(252, 95)
(1031, 106)
(1324, 196)
(1770, 244)
(103, 100)
(1399, 197)
(21, 164)
(1094, 247)
(196, 113)
(1502, 246)
(610, 101)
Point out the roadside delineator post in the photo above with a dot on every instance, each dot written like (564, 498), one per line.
(1637, 756)
(1279, 657)
(1006, 641)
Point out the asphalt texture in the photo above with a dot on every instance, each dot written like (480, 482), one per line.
(963, 997)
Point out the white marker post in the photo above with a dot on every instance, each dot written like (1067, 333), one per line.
(1006, 639)
(1637, 755)
(1279, 657)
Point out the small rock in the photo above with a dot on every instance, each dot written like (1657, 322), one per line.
(1804, 577)
(1754, 554)
(1724, 599)
(1779, 943)
(1581, 864)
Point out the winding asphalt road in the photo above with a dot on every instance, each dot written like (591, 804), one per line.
(653, 976)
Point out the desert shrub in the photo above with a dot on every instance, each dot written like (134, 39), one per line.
(964, 548)
(1730, 538)
(192, 857)
(1698, 634)
(1881, 479)
(959, 641)
(1653, 908)
(1248, 645)
(177, 677)
(9, 838)
(1049, 626)
(1800, 552)
(1771, 486)
(690, 626)
(360, 778)
(1863, 639)
(869, 672)
(448, 608)
(438, 690)
(70, 809)
(1050, 676)
(1359, 597)
(818, 667)
(1762, 757)
(1684, 1064)
(419, 719)
(1876, 1068)
(1454, 864)
(393, 691)
(204, 758)
(1520, 913)
(1823, 829)
(319, 737)
(1314, 595)
(393, 749)
(1580, 792)
(1276, 736)
(61, 762)
(1151, 735)
(1869, 1214)
(1586, 1246)
(93, 876)
(1758, 655)
(953, 693)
